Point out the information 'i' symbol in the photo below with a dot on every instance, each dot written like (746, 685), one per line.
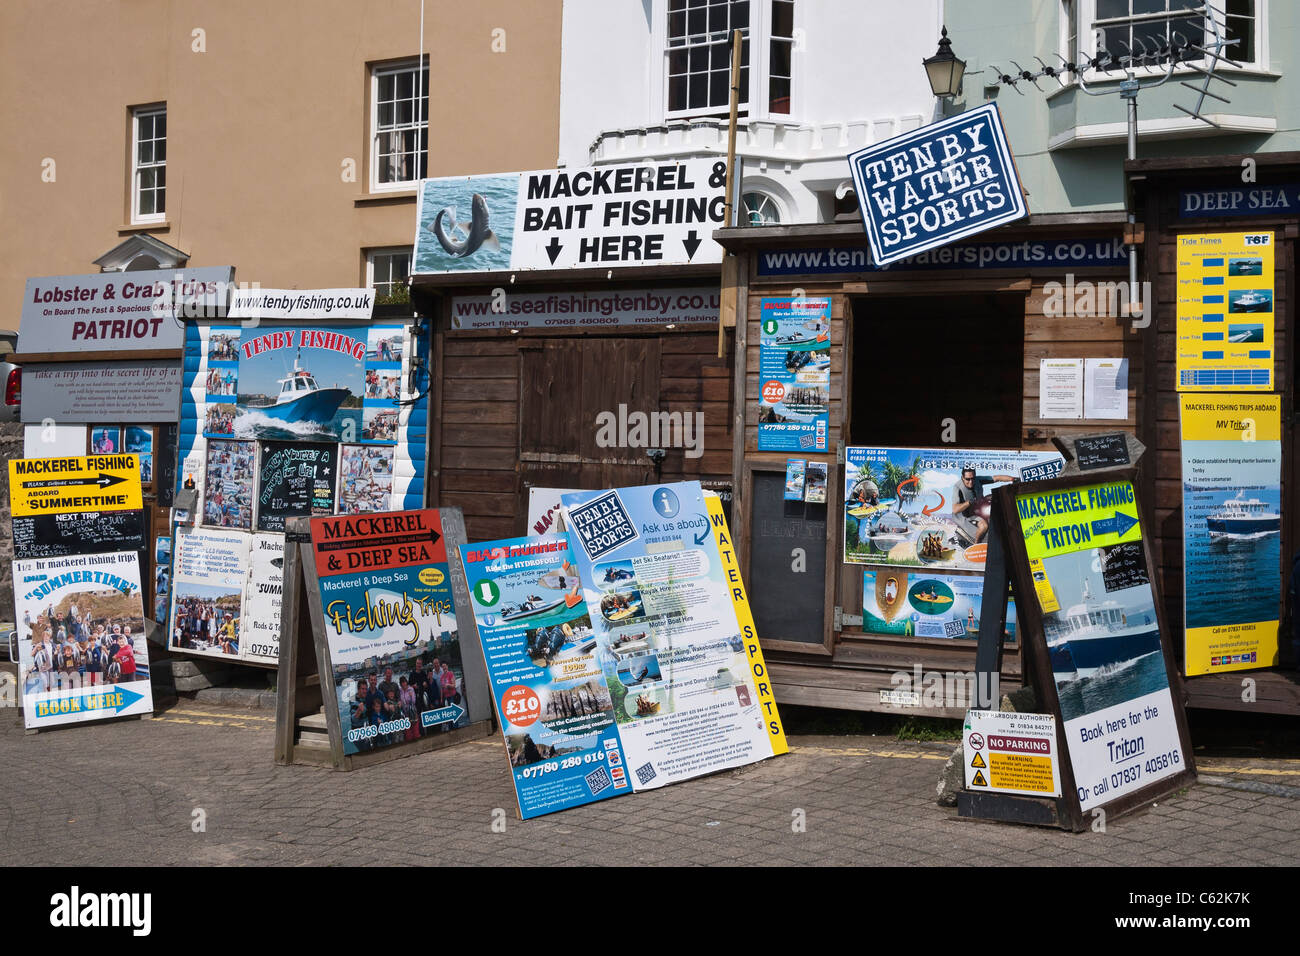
(487, 593)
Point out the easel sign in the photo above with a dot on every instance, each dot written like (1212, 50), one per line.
(385, 662)
(1096, 646)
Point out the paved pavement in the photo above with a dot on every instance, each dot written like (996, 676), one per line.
(128, 791)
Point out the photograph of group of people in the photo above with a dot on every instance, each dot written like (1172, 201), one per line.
(223, 346)
(222, 381)
(207, 619)
(367, 479)
(384, 345)
(381, 693)
(220, 419)
(84, 640)
(228, 486)
(379, 424)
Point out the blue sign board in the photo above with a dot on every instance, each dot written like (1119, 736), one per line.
(1250, 199)
(1064, 253)
(937, 185)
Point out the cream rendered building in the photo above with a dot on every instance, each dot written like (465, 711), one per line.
(277, 136)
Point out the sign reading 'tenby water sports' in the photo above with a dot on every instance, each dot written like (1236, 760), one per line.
(590, 217)
(936, 185)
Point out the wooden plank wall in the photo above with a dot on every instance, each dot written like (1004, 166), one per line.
(1075, 337)
(477, 453)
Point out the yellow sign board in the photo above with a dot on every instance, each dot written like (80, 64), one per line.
(1073, 519)
(745, 618)
(50, 486)
(1025, 773)
(1225, 312)
(1232, 531)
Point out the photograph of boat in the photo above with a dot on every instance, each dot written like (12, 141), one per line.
(1104, 647)
(931, 597)
(1251, 300)
(1243, 517)
(534, 606)
(300, 399)
(1245, 334)
(804, 339)
(884, 529)
(1245, 267)
(1094, 634)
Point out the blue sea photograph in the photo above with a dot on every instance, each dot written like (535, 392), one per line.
(456, 216)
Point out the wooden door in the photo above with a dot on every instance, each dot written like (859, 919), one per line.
(574, 393)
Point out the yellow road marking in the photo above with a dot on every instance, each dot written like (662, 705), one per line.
(871, 752)
(227, 716)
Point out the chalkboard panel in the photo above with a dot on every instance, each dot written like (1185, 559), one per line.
(80, 532)
(788, 605)
(1123, 566)
(1101, 451)
(296, 481)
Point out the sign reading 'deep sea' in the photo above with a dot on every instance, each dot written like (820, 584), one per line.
(587, 217)
(936, 185)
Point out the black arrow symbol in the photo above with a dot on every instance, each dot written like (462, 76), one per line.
(691, 242)
(104, 481)
(553, 248)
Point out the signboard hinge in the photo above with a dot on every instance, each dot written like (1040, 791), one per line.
(843, 620)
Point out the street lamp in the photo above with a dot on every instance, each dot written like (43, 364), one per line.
(944, 69)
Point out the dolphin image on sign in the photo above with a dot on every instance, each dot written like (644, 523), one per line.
(476, 230)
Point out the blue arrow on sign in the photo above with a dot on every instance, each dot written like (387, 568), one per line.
(1116, 525)
(703, 535)
(109, 699)
(443, 715)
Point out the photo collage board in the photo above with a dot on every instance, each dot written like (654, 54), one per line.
(283, 419)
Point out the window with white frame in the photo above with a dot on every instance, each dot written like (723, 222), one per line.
(1119, 27)
(697, 43)
(761, 209)
(699, 54)
(149, 164)
(399, 119)
(388, 270)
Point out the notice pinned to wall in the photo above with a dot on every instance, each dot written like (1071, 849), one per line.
(1060, 388)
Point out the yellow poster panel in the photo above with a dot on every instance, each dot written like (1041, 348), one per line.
(740, 601)
(1026, 773)
(1232, 531)
(1062, 522)
(1225, 312)
(44, 486)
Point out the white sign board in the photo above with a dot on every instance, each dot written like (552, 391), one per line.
(650, 213)
(1060, 388)
(1011, 753)
(302, 304)
(119, 311)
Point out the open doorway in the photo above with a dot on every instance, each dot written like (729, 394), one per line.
(930, 370)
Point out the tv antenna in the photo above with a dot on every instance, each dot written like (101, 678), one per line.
(1203, 57)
